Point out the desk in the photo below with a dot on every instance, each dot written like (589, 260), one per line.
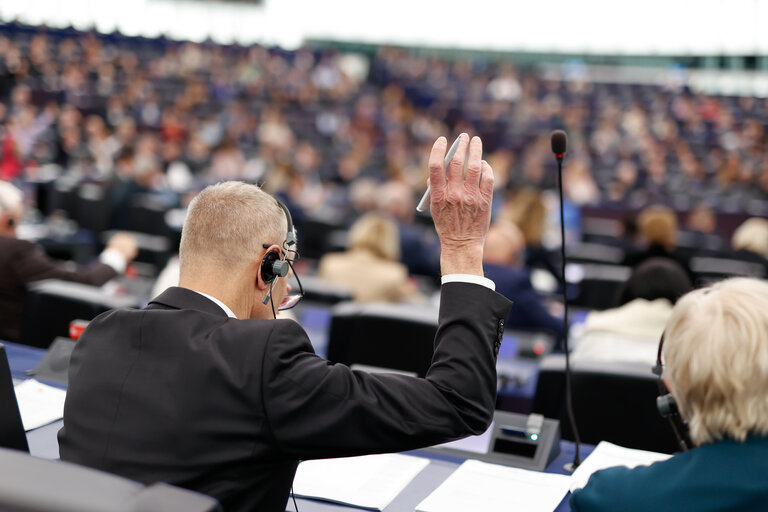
(440, 468)
(43, 443)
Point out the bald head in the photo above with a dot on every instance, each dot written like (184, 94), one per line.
(503, 244)
(227, 225)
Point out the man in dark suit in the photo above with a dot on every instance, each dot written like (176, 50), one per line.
(205, 390)
(23, 262)
(716, 367)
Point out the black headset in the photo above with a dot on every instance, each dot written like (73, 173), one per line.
(272, 266)
(667, 405)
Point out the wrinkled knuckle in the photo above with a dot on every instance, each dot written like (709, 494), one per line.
(452, 196)
(473, 167)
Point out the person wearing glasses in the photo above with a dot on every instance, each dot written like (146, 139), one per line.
(204, 389)
(715, 365)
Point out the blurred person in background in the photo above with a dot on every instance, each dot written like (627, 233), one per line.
(715, 357)
(23, 262)
(701, 226)
(503, 263)
(370, 267)
(750, 242)
(419, 247)
(657, 227)
(631, 331)
(526, 210)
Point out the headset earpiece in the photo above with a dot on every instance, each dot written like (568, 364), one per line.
(11, 222)
(272, 266)
(665, 402)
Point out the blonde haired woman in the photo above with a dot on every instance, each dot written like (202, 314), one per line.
(370, 267)
(716, 366)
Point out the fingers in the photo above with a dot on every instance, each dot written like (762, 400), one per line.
(456, 165)
(486, 180)
(474, 167)
(436, 166)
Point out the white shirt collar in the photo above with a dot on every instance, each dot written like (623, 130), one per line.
(216, 301)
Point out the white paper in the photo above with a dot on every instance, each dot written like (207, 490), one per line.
(371, 481)
(475, 444)
(39, 404)
(607, 455)
(478, 485)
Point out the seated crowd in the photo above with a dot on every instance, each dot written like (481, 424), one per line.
(341, 140)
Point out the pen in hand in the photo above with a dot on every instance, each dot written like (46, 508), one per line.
(425, 198)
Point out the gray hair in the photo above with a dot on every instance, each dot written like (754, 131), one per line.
(227, 225)
(716, 358)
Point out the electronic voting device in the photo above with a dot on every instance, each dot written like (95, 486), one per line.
(528, 441)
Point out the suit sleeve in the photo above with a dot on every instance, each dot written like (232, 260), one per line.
(32, 264)
(318, 409)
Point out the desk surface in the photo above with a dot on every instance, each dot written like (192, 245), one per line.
(43, 443)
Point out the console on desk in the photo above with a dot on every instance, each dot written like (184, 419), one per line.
(519, 440)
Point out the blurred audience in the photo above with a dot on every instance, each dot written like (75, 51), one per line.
(22, 262)
(370, 267)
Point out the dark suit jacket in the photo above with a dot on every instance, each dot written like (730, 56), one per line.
(22, 262)
(179, 392)
(721, 477)
(528, 311)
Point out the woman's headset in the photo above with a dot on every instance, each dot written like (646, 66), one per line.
(667, 405)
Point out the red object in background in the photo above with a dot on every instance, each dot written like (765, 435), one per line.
(76, 328)
(10, 164)
(131, 272)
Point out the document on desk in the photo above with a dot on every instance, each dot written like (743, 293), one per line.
(39, 404)
(482, 486)
(370, 481)
(607, 455)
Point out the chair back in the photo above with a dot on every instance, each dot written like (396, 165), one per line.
(613, 402)
(50, 305)
(396, 336)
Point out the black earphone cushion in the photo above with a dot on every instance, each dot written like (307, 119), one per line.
(267, 266)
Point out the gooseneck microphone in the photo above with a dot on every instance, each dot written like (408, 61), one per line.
(559, 143)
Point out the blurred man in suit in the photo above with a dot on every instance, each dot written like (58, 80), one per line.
(205, 390)
(22, 262)
(503, 263)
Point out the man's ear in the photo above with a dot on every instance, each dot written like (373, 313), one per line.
(7, 221)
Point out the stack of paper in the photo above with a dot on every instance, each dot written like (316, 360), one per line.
(481, 486)
(39, 404)
(607, 455)
(372, 481)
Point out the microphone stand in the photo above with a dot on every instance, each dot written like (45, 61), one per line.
(571, 466)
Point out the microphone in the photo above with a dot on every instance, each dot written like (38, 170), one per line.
(559, 142)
